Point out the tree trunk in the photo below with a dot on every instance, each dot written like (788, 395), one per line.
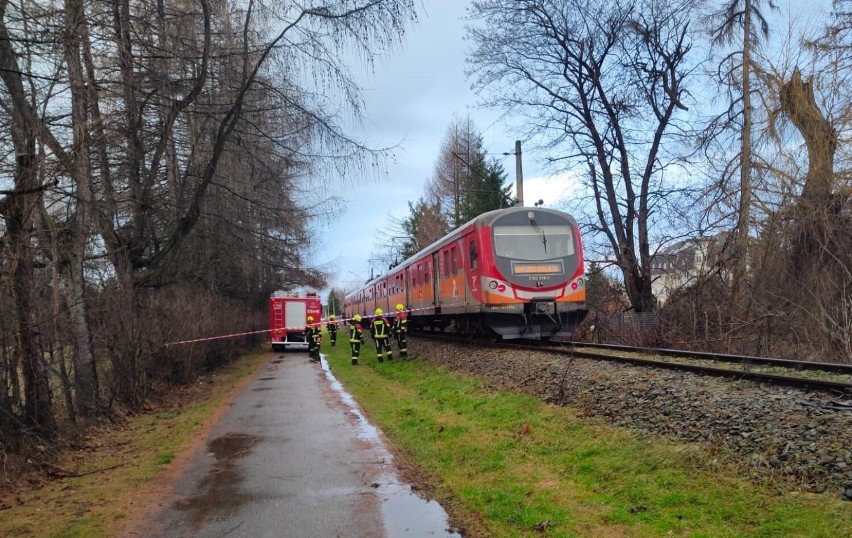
(743, 216)
(85, 371)
(814, 206)
(86, 384)
(19, 209)
(8, 425)
(57, 346)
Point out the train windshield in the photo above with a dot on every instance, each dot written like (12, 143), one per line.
(533, 242)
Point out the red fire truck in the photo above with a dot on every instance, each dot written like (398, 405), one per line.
(288, 315)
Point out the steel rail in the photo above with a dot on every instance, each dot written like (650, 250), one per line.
(798, 382)
(723, 357)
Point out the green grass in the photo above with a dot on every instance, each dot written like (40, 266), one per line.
(502, 463)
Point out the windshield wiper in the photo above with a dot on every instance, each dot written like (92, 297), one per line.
(538, 229)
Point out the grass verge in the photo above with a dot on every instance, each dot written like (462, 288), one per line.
(101, 491)
(506, 464)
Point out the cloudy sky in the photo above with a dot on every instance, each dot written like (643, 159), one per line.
(411, 99)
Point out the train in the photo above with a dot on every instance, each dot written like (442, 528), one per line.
(507, 274)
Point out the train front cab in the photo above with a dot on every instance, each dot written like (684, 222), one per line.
(531, 275)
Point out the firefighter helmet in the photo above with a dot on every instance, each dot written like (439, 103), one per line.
(357, 317)
(400, 307)
(379, 311)
(310, 319)
(331, 317)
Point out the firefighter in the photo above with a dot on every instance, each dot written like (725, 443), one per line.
(381, 333)
(356, 337)
(332, 330)
(400, 330)
(313, 337)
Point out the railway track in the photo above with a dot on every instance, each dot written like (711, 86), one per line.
(814, 376)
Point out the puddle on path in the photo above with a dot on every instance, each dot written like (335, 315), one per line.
(404, 513)
(219, 486)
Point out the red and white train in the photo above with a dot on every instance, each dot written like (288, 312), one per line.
(509, 273)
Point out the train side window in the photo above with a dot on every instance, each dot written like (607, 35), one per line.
(446, 262)
(473, 262)
(455, 257)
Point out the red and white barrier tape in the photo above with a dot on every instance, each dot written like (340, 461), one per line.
(216, 337)
(299, 328)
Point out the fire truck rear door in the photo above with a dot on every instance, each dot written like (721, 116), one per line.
(295, 315)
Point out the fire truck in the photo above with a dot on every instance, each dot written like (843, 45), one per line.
(288, 315)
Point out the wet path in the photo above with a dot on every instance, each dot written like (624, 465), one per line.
(295, 457)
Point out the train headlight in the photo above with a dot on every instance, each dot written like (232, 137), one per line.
(501, 288)
(492, 285)
(573, 285)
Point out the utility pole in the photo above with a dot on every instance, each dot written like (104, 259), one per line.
(519, 174)
(456, 181)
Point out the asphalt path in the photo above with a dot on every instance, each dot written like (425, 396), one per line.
(295, 457)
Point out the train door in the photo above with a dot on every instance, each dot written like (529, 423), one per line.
(436, 287)
(473, 270)
(454, 289)
(406, 286)
(387, 289)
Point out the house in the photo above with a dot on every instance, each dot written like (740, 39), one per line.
(684, 263)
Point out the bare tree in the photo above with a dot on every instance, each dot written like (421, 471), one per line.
(158, 161)
(601, 83)
(798, 210)
(73, 258)
(18, 208)
(744, 14)
(148, 248)
(465, 181)
(462, 145)
(424, 226)
(798, 103)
